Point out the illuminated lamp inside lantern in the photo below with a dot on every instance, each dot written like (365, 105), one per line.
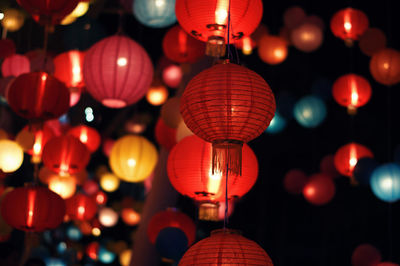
(172, 76)
(216, 43)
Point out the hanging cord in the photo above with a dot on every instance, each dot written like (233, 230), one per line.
(120, 30)
(229, 26)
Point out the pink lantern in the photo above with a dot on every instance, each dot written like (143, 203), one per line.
(172, 76)
(15, 65)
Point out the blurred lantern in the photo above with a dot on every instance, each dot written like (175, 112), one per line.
(63, 186)
(87, 135)
(45, 175)
(171, 243)
(42, 135)
(79, 11)
(294, 16)
(327, 166)
(365, 255)
(106, 256)
(182, 131)
(347, 156)
(172, 75)
(13, 19)
(372, 41)
(157, 95)
(319, 189)
(246, 44)
(40, 61)
(165, 136)
(126, 71)
(309, 111)
(38, 95)
(11, 156)
(278, 123)
(363, 170)
(294, 181)
(7, 48)
(180, 47)
(125, 257)
(385, 182)
(219, 247)
(351, 91)
(190, 173)
(155, 13)
(349, 24)
(100, 197)
(65, 155)
(109, 182)
(92, 250)
(387, 264)
(385, 66)
(108, 217)
(73, 233)
(315, 20)
(68, 69)
(25, 139)
(107, 146)
(15, 65)
(307, 37)
(170, 113)
(130, 216)
(227, 105)
(222, 209)
(272, 49)
(138, 123)
(90, 187)
(133, 158)
(81, 207)
(208, 21)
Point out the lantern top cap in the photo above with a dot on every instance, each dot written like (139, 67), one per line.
(225, 231)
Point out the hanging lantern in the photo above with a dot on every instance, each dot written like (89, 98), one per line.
(13, 19)
(68, 68)
(180, 47)
(347, 156)
(81, 207)
(15, 65)
(155, 13)
(208, 21)
(365, 255)
(307, 37)
(227, 105)
(11, 156)
(190, 173)
(42, 135)
(40, 61)
(165, 135)
(108, 217)
(172, 75)
(272, 50)
(63, 186)
(109, 182)
(133, 158)
(351, 91)
(309, 111)
(130, 216)
(65, 155)
(125, 68)
(385, 66)
(385, 182)
(278, 123)
(157, 95)
(294, 16)
(349, 24)
(319, 189)
(294, 181)
(87, 135)
(219, 247)
(7, 48)
(372, 41)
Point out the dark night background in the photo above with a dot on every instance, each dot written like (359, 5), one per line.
(291, 230)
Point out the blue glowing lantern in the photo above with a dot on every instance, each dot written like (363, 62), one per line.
(54, 262)
(278, 123)
(155, 13)
(106, 256)
(309, 111)
(385, 182)
(74, 233)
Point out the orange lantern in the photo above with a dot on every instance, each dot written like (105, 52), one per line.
(307, 37)
(42, 135)
(347, 156)
(87, 135)
(130, 216)
(63, 186)
(157, 95)
(319, 189)
(385, 66)
(272, 50)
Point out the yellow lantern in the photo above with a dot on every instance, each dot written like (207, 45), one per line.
(11, 156)
(133, 158)
(63, 186)
(157, 95)
(13, 19)
(109, 182)
(68, 20)
(125, 257)
(80, 9)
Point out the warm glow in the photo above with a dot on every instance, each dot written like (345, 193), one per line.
(306, 36)
(68, 20)
(1, 15)
(221, 12)
(75, 59)
(347, 26)
(214, 182)
(100, 198)
(12, 19)
(31, 207)
(96, 231)
(125, 257)
(131, 162)
(63, 186)
(278, 53)
(122, 61)
(109, 182)
(247, 48)
(160, 3)
(11, 156)
(130, 216)
(108, 217)
(157, 95)
(386, 65)
(354, 93)
(386, 183)
(182, 40)
(80, 9)
(310, 191)
(353, 158)
(307, 113)
(81, 211)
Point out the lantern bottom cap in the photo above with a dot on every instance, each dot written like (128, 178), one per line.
(208, 211)
(215, 46)
(114, 103)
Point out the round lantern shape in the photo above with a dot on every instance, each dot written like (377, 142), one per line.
(68, 68)
(172, 75)
(385, 66)
(157, 95)
(130, 216)
(307, 37)
(38, 96)
(65, 155)
(81, 207)
(133, 158)
(272, 50)
(319, 189)
(365, 255)
(347, 156)
(155, 13)
(42, 135)
(278, 123)
(125, 68)
(227, 105)
(294, 181)
(165, 135)
(218, 249)
(63, 186)
(294, 16)
(11, 156)
(108, 217)
(385, 182)
(351, 91)
(109, 182)
(87, 135)
(13, 19)
(309, 111)
(372, 41)
(15, 65)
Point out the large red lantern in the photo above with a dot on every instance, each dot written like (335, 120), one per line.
(227, 105)
(319, 189)
(38, 96)
(81, 207)
(351, 91)
(125, 69)
(347, 156)
(87, 135)
(208, 20)
(226, 247)
(65, 155)
(15, 65)
(385, 66)
(68, 68)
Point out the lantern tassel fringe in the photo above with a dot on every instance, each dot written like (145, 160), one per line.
(227, 153)
(215, 46)
(208, 211)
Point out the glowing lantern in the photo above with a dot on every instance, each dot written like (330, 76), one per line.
(172, 75)
(170, 113)
(365, 255)
(65, 155)
(81, 207)
(309, 111)
(307, 37)
(278, 123)
(42, 135)
(80, 9)
(180, 47)
(294, 16)
(7, 48)
(208, 20)
(347, 156)
(155, 13)
(68, 20)
(385, 182)
(385, 66)
(319, 189)
(372, 41)
(246, 44)
(351, 91)
(87, 135)
(190, 173)
(68, 68)
(349, 24)
(11, 156)
(294, 181)
(13, 19)
(108, 217)
(100, 197)
(182, 131)
(92, 250)
(130, 216)
(125, 68)
(125, 257)
(165, 135)
(15, 65)
(45, 175)
(63, 186)
(272, 50)
(227, 105)
(133, 158)
(219, 247)
(157, 95)
(109, 182)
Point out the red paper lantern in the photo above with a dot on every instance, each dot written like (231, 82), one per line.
(226, 247)
(165, 136)
(208, 20)
(227, 105)
(372, 41)
(68, 68)
(172, 75)
(294, 181)
(40, 61)
(38, 96)
(349, 24)
(81, 207)
(42, 135)
(125, 68)
(347, 156)
(385, 66)
(87, 135)
(65, 155)
(7, 48)
(15, 65)
(272, 50)
(351, 91)
(319, 189)
(365, 255)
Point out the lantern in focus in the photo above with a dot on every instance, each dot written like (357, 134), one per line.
(109, 182)
(170, 113)
(219, 247)
(309, 111)
(68, 68)
(87, 135)
(372, 41)
(385, 66)
(15, 65)
(108, 217)
(81, 207)
(294, 181)
(157, 95)
(172, 75)
(13, 19)
(155, 13)
(351, 91)
(126, 71)
(7, 48)
(307, 37)
(208, 21)
(63, 186)
(385, 182)
(165, 135)
(349, 24)
(272, 50)
(11, 156)
(133, 158)
(347, 156)
(365, 255)
(319, 189)
(227, 105)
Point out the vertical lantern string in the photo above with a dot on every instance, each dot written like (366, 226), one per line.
(4, 34)
(229, 26)
(120, 29)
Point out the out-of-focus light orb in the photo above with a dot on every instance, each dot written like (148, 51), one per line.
(80, 9)
(63, 186)
(172, 75)
(106, 256)
(108, 217)
(307, 37)
(13, 19)
(61, 247)
(11, 156)
(68, 20)
(278, 123)
(310, 111)
(157, 95)
(73, 233)
(125, 257)
(385, 182)
(96, 231)
(130, 216)
(109, 182)
(155, 13)
(54, 262)
(89, 116)
(272, 50)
